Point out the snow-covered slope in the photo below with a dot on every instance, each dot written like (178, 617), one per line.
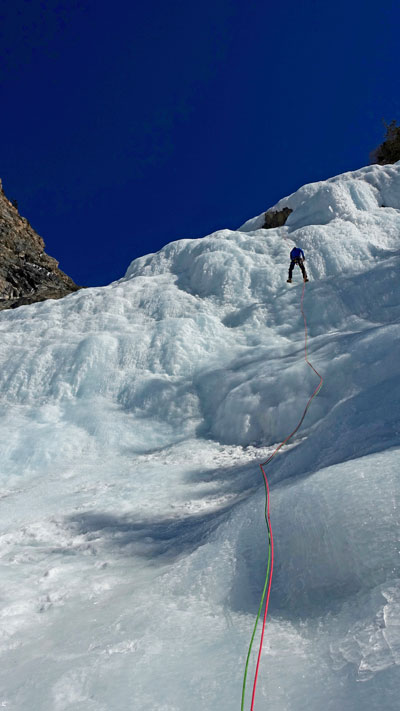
(133, 417)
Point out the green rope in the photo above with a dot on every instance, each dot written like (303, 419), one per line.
(262, 600)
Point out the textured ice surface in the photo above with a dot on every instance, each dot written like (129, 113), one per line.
(132, 546)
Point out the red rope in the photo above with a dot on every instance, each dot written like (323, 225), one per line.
(262, 465)
(268, 591)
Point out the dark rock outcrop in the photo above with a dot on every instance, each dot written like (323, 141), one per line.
(389, 151)
(27, 273)
(276, 219)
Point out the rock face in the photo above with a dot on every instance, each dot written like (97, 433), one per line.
(276, 219)
(27, 273)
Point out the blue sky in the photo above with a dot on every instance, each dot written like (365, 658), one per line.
(127, 125)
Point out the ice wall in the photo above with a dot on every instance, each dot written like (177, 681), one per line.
(133, 417)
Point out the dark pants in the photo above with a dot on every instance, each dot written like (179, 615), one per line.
(298, 261)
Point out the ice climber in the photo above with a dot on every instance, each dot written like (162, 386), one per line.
(297, 257)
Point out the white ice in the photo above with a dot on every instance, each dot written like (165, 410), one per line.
(133, 542)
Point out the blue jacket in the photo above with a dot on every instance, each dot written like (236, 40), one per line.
(296, 253)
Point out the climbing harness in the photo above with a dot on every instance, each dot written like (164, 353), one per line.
(270, 564)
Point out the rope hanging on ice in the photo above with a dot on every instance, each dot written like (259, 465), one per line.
(270, 563)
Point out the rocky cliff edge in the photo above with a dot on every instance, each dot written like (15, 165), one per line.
(27, 273)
